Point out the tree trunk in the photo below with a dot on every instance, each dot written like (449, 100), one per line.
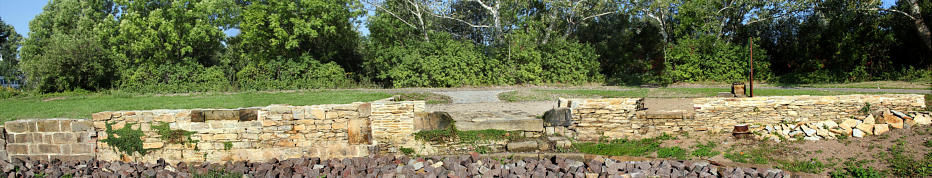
(921, 26)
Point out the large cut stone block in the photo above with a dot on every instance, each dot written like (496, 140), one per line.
(559, 117)
(433, 121)
(221, 115)
(48, 126)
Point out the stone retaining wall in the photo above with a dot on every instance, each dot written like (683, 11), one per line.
(260, 134)
(46, 139)
(723, 113)
(617, 117)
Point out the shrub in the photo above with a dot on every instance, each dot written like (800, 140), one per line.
(287, 74)
(440, 63)
(69, 62)
(707, 59)
(173, 78)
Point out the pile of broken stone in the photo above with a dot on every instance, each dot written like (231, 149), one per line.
(875, 123)
(389, 166)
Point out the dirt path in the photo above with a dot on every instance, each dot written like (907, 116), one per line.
(469, 96)
(534, 107)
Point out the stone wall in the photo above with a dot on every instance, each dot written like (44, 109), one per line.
(608, 117)
(618, 118)
(262, 133)
(46, 139)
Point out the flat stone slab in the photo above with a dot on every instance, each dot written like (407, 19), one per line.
(503, 120)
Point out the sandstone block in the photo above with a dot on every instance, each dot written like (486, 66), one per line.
(922, 119)
(881, 128)
(848, 123)
(867, 128)
(152, 145)
(102, 116)
(522, 146)
(48, 126)
(857, 133)
(894, 122)
(869, 120)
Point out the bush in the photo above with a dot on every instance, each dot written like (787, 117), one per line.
(440, 63)
(288, 74)
(172, 78)
(6, 92)
(707, 59)
(69, 62)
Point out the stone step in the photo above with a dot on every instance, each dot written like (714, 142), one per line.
(501, 120)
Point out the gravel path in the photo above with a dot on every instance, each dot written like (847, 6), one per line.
(482, 96)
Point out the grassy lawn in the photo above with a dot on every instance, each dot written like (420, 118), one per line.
(548, 94)
(82, 106)
(873, 84)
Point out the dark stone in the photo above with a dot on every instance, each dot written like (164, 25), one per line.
(197, 116)
(249, 114)
(558, 117)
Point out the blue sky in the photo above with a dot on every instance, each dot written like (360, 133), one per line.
(20, 12)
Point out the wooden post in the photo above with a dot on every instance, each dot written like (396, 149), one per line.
(751, 86)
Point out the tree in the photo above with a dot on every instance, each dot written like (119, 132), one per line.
(63, 25)
(9, 45)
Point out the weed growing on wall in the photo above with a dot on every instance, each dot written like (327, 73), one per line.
(125, 139)
(406, 151)
(174, 136)
(451, 134)
(227, 145)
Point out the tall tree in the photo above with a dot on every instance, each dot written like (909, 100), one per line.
(9, 45)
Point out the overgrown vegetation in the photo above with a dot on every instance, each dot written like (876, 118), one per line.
(623, 147)
(451, 134)
(216, 173)
(809, 166)
(672, 152)
(406, 151)
(900, 164)
(173, 136)
(125, 139)
(857, 169)
(705, 150)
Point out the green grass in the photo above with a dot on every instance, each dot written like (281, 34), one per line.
(623, 147)
(83, 105)
(705, 151)
(858, 169)
(553, 94)
(810, 166)
(672, 152)
(762, 153)
(429, 98)
(451, 134)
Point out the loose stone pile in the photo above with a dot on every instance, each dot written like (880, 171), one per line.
(388, 166)
(876, 123)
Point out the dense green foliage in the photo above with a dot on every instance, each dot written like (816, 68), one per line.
(9, 43)
(626, 147)
(164, 46)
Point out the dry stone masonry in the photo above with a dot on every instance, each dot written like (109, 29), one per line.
(859, 126)
(46, 139)
(260, 134)
(618, 117)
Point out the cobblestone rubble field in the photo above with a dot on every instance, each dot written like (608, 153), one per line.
(387, 166)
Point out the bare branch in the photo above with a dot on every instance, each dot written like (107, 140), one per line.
(462, 21)
(391, 13)
(597, 15)
(892, 10)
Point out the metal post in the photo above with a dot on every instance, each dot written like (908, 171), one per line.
(751, 86)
